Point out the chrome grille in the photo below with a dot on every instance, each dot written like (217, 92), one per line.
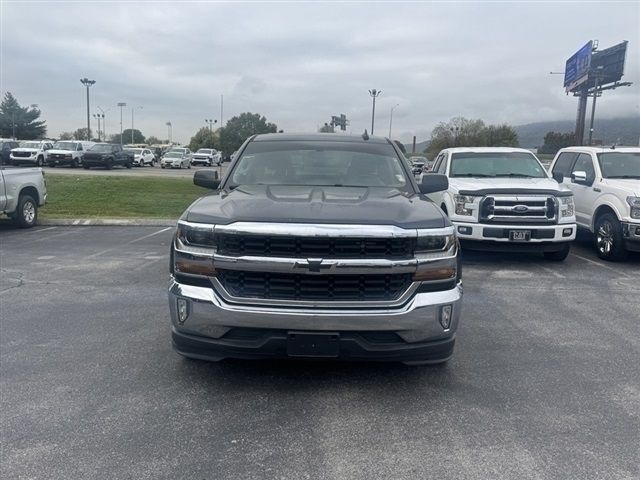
(285, 286)
(22, 154)
(540, 209)
(311, 247)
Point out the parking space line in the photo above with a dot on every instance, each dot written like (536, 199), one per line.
(600, 264)
(150, 235)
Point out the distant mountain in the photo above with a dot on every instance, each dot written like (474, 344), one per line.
(621, 130)
(420, 147)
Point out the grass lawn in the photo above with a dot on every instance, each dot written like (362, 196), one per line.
(86, 196)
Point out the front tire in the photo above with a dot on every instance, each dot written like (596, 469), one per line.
(40, 161)
(27, 212)
(560, 255)
(608, 238)
(128, 165)
(85, 166)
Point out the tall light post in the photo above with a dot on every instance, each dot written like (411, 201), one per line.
(168, 124)
(104, 122)
(132, 110)
(121, 105)
(374, 94)
(210, 123)
(98, 116)
(391, 117)
(87, 83)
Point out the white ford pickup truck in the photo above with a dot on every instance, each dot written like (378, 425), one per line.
(502, 199)
(606, 188)
(22, 191)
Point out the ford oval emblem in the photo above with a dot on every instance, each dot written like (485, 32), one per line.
(520, 208)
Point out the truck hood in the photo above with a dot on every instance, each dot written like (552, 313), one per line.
(502, 184)
(631, 186)
(63, 152)
(310, 204)
(22, 149)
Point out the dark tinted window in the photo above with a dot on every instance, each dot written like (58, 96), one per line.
(563, 164)
(495, 164)
(620, 164)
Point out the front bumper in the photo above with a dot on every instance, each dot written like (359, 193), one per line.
(172, 164)
(24, 160)
(61, 160)
(211, 320)
(499, 234)
(631, 235)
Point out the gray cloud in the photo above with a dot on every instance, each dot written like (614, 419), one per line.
(300, 63)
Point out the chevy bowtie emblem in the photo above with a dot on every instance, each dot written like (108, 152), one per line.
(314, 264)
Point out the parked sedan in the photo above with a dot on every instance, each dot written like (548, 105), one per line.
(142, 157)
(175, 159)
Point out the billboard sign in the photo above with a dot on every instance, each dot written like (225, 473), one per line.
(576, 70)
(608, 64)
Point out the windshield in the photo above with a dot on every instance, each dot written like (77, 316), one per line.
(30, 144)
(620, 164)
(101, 148)
(496, 164)
(136, 151)
(204, 150)
(173, 155)
(180, 150)
(65, 146)
(319, 164)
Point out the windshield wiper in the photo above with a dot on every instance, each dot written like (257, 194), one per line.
(623, 176)
(480, 175)
(518, 175)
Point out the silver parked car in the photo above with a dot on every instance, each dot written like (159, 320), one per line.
(175, 159)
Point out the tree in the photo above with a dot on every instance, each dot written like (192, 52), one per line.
(204, 138)
(80, 134)
(239, 128)
(21, 120)
(66, 136)
(463, 132)
(400, 146)
(153, 140)
(138, 137)
(554, 141)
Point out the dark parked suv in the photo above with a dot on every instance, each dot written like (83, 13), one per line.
(319, 246)
(5, 150)
(107, 155)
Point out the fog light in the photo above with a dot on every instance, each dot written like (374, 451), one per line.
(567, 232)
(445, 316)
(464, 230)
(183, 310)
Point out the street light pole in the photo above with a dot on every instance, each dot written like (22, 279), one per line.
(374, 94)
(121, 104)
(391, 117)
(97, 116)
(87, 83)
(104, 122)
(168, 124)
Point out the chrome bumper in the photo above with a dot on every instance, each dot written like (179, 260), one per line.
(417, 320)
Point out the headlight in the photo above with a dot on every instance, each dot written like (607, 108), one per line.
(464, 204)
(196, 235)
(634, 203)
(33, 154)
(567, 208)
(433, 241)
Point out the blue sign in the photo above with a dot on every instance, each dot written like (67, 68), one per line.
(576, 70)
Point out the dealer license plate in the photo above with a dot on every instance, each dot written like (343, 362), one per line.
(519, 235)
(304, 344)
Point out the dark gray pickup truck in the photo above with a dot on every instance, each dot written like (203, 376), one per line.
(107, 155)
(319, 246)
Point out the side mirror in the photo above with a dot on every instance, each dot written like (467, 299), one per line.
(434, 182)
(206, 179)
(558, 177)
(579, 176)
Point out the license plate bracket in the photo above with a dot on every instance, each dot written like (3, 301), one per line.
(305, 344)
(519, 235)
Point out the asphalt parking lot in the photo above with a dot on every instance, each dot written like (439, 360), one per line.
(544, 384)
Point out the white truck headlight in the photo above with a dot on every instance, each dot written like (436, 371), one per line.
(464, 204)
(567, 208)
(634, 203)
(194, 249)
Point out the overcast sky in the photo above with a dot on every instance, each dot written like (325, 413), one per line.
(300, 63)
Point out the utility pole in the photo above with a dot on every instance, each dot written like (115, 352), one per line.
(121, 104)
(391, 117)
(104, 122)
(97, 116)
(87, 83)
(221, 109)
(593, 105)
(374, 94)
(168, 124)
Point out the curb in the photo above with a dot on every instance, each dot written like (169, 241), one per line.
(86, 222)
